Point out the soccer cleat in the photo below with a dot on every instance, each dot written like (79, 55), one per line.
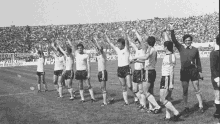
(156, 111)
(93, 100)
(72, 98)
(166, 119)
(111, 101)
(201, 110)
(125, 104)
(136, 103)
(60, 96)
(176, 117)
(103, 104)
(82, 101)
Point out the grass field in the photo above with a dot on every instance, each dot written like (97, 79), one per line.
(20, 105)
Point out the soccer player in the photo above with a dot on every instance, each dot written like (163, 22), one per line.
(166, 83)
(102, 72)
(40, 69)
(214, 65)
(58, 67)
(150, 62)
(124, 70)
(68, 74)
(190, 68)
(139, 72)
(83, 71)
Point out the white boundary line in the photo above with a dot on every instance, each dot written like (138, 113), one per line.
(24, 93)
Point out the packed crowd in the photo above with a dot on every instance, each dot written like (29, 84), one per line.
(23, 38)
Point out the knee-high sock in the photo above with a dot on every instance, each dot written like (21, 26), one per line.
(125, 96)
(81, 92)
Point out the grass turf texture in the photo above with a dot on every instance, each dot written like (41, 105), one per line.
(20, 105)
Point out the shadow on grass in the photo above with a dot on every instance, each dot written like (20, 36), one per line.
(195, 108)
(14, 112)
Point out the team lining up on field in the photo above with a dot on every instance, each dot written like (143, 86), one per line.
(144, 73)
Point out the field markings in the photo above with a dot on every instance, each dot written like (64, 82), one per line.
(22, 93)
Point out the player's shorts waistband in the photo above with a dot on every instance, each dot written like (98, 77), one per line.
(123, 66)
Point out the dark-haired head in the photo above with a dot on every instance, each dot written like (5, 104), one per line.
(80, 48)
(137, 43)
(151, 41)
(68, 50)
(187, 39)
(40, 53)
(121, 43)
(217, 39)
(168, 45)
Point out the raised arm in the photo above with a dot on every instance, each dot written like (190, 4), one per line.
(109, 42)
(132, 44)
(143, 46)
(61, 49)
(72, 46)
(173, 37)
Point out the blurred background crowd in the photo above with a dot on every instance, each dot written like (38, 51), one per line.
(22, 39)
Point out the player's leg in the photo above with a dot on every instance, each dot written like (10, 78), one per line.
(81, 91)
(61, 79)
(217, 102)
(164, 85)
(128, 73)
(184, 78)
(69, 84)
(124, 90)
(38, 82)
(55, 82)
(136, 80)
(151, 80)
(104, 92)
(195, 82)
(149, 96)
(44, 82)
(142, 96)
(84, 77)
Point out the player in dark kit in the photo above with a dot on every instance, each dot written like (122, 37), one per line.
(190, 68)
(214, 65)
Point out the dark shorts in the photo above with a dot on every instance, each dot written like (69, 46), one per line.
(68, 74)
(105, 76)
(138, 76)
(151, 76)
(58, 72)
(81, 75)
(189, 74)
(214, 84)
(40, 73)
(165, 82)
(124, 71)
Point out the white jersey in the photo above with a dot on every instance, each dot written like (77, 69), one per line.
(139, 66)
(59, 63)
(69, 63)
(81, 61)
(152, 60)
(168, 64)
(123, 57)
(40, 65)
(101, 62)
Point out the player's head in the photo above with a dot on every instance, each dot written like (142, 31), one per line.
(168, 46)
(187, 39)
(68, 50)
(217, 39)
(151, 41)
(121, 43)
(80, 48)
(137, 43)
